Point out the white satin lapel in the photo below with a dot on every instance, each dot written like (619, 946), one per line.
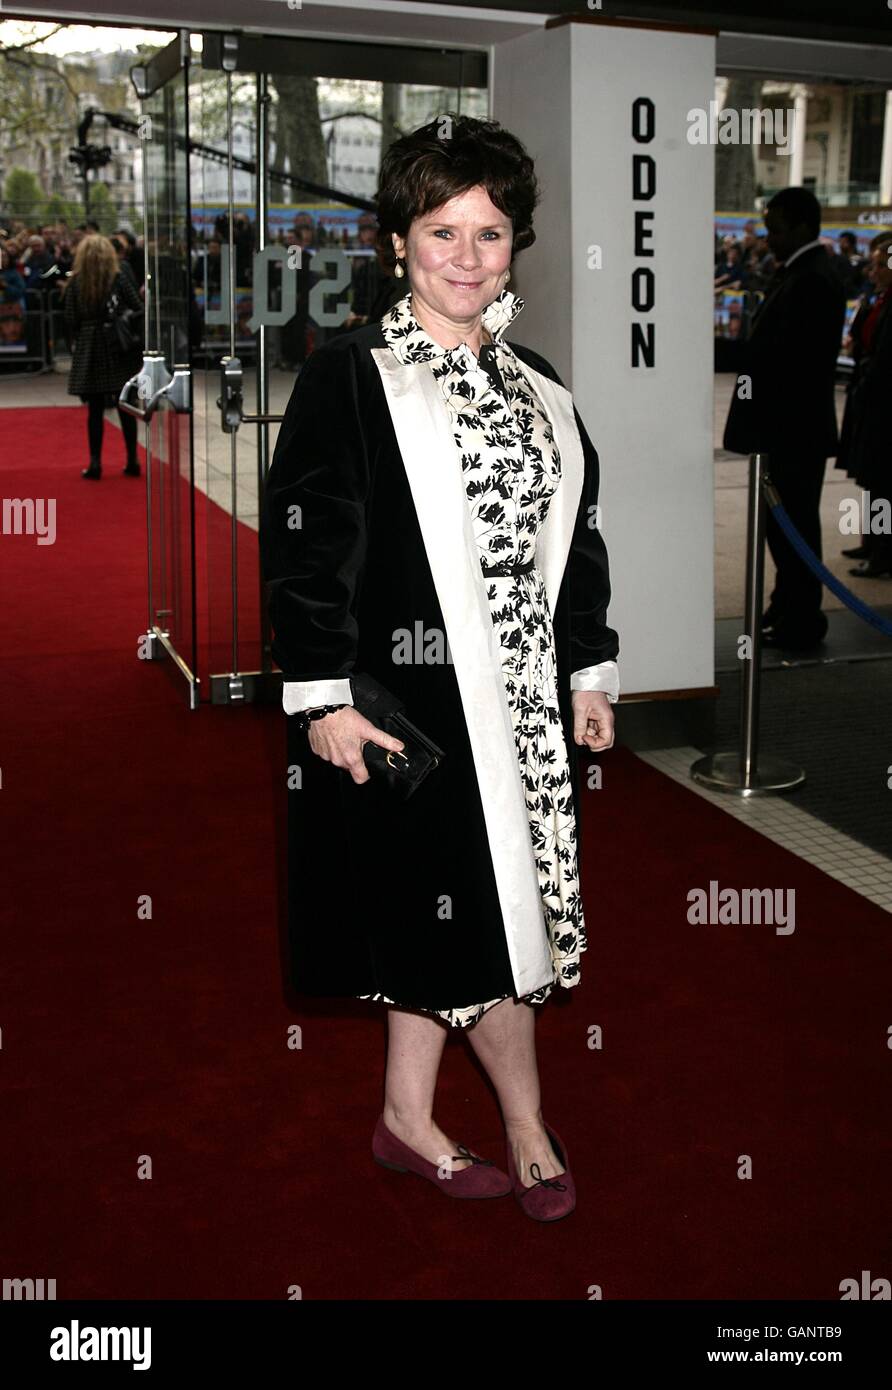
(424, 434)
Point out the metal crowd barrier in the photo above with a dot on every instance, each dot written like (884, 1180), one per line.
(44, 330)
(744, 772)
(852, 601)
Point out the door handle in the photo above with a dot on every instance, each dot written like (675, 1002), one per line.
(230, 399)
(152, 383)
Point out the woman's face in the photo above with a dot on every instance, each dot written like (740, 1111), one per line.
(880, 271)
(456, 256)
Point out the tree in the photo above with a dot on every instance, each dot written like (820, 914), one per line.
(42, 98)
(58, 209)
(102, 209)
(296, 141)
(23, 197)
(38, 98)
(735, 168)
(390, 105)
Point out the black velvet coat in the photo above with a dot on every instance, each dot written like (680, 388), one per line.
(382, 541)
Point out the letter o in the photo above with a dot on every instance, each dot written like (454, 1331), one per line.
(643, 299)
(643, 120)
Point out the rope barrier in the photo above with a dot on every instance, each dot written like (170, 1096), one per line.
(805, 552)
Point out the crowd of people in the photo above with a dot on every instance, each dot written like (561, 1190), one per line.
(372, 287)
(101, 278)
(747, 263)
(785, 406)
(36, 259)
(42, 259)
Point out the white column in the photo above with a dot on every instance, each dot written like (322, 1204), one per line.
(619, 298)
(886, 160)
(797, 156)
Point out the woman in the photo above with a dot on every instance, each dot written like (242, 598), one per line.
(13, 303)
(864, 438)
(12, 284)
(429, 510)
(98, 368)
(730, 273)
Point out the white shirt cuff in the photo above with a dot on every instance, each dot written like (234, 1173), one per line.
(604, 676)
(300, 695)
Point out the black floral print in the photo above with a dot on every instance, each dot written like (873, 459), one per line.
(512, 466)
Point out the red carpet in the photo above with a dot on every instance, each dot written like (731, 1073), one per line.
(131, 1040)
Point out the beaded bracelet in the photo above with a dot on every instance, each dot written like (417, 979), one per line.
(304, 716)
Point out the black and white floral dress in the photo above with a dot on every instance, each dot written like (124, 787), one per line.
(512, 466)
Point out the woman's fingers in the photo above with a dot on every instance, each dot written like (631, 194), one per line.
(351, 749)
(593, 720)
(339, 738)
(372, 734)
(369, 734)
(598, 735)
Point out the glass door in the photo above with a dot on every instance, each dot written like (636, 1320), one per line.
(161, 395)
(287, 136)
(260, 164)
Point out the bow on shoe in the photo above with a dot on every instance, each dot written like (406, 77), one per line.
(546, 1182)
(466, 1153)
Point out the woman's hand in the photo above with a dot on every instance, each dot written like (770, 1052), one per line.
(592, 719)
(338, 738)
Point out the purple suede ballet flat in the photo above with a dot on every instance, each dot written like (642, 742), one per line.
(482, 1179)
(549, 1198)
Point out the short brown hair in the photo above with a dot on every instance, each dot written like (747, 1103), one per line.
(422, 171)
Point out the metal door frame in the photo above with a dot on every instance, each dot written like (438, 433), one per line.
(156, 388)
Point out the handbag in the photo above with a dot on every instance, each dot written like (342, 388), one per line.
(122, 327)
(402, 771)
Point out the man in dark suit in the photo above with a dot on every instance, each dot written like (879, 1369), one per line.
(136, 256)
(783, 405)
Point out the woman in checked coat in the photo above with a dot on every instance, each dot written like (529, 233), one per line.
(98, 368)
(429, 518)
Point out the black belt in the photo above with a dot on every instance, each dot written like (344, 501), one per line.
(506, 570)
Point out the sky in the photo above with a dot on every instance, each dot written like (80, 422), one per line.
(82, 38)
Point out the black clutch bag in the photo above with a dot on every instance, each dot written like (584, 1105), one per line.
(404, 771)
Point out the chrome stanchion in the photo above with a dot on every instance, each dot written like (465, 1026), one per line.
(744, 772)
(264, 102)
